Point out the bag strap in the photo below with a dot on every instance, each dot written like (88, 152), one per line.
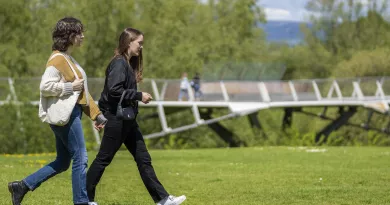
(123, 95)
(70, 65)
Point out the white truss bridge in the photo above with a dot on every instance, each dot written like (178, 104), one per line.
(240, 98)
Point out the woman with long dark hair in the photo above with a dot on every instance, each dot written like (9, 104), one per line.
(122, 75)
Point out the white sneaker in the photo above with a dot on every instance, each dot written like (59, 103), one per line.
(92, 203)
(172, 200)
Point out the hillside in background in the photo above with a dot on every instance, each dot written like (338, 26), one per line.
(283, 31)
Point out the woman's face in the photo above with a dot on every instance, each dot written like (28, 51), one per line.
(78, 40)
(135, 46)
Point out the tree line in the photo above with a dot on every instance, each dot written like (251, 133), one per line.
(346, 39)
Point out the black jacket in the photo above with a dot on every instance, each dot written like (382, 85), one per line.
(119, 77)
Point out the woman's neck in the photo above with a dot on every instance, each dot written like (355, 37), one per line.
(129, 54)
(69, 50)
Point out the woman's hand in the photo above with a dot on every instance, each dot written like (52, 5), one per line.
(146, 97)
(98, 126)
(100, 122)
(78, 84)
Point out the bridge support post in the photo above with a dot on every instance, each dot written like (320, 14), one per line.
(225, 134)
(336, 124)
(254, 121)
(287, 119)
(323, 113)
(387, 128)
(367, 123)
(288, 116)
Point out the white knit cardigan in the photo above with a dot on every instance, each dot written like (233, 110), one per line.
(55, 94)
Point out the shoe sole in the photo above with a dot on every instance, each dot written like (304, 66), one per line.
(181, 201)
(12, 193)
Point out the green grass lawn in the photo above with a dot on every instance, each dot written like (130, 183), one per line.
(261, 175)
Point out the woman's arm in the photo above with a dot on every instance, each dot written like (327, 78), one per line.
(51, 85)
(116, 79)
(93, 111)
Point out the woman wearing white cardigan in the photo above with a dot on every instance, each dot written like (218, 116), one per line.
(64, 96)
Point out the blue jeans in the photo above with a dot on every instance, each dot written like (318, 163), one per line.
(70, 145)
(183, 93)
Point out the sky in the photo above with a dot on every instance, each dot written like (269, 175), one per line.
(293, 10)
(288, 10)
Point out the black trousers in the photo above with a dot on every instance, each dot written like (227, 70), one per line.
(117, 132)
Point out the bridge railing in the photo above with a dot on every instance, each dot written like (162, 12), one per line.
(368, 88)
(346, 89)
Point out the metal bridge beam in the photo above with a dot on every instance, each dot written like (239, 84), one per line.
(254, 121)
(288, 116)
(225, 134)
(366, 125)
(336, 124)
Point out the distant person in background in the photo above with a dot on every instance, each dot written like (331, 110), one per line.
(64, 80)
(122, 74)
(184, 85)
(195, 83)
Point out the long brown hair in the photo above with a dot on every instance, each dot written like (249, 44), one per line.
(127, 36)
